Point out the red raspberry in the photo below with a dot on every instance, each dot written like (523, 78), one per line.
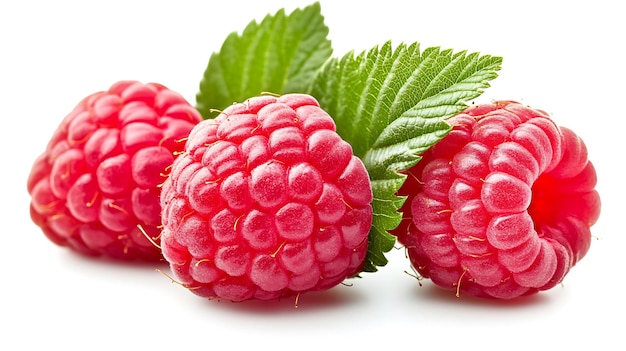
(502, 206)
(268, 201)
(96, 186)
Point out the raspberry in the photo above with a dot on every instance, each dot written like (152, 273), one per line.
(502, 206)
(267, 201)
(95, 189)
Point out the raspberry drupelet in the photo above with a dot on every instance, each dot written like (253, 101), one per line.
(502, 206)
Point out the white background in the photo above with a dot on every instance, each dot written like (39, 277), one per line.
(564, 58)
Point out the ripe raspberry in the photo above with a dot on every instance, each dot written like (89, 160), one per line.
(96, 186)
(268, 201)
(502, 206)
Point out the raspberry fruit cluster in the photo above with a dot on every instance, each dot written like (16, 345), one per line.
(95, 188)
(267, 201)
(502, 206)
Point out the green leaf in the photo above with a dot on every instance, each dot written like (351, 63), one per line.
(391, 105)
(281, 54)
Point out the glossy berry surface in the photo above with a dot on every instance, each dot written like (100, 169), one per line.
(95, 188)
(502, 206)
(267, 201)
